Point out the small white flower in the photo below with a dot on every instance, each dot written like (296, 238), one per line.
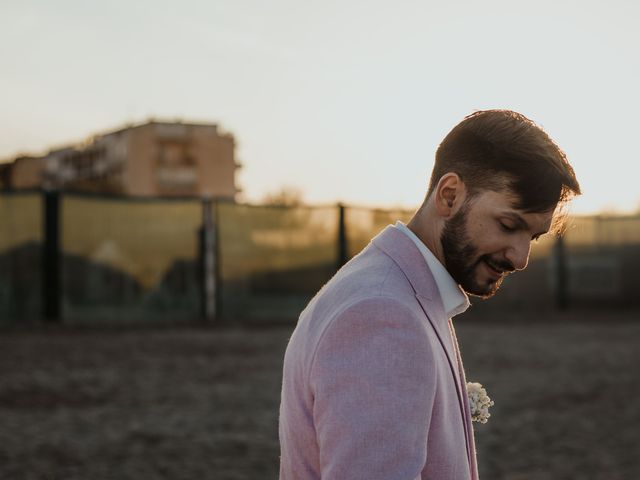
(479, 402)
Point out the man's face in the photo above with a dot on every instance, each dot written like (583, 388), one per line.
(487, 239)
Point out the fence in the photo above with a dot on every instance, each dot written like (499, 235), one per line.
(83, 259)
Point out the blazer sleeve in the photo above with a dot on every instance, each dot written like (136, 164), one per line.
(373, 379)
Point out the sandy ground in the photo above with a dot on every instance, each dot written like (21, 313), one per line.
(195, 402)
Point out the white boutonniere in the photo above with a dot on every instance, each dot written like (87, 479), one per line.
(479, 402)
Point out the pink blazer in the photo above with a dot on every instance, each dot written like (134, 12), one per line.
(373, 386)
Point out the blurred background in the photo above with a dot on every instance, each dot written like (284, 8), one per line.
(178, 180)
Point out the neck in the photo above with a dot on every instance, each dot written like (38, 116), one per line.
(427, 226)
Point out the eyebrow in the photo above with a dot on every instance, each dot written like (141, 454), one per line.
(522, 223)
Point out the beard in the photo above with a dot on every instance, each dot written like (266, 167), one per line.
(462, 258)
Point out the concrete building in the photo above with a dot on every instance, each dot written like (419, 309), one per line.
(152, 159)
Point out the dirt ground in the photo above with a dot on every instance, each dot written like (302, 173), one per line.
(194, 402)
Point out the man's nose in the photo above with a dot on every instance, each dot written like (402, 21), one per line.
(518, 254)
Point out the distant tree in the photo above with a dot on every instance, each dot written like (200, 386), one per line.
(286, 196)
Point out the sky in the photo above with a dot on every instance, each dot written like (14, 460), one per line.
(345, 100)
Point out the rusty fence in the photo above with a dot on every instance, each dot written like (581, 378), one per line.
(82, 259)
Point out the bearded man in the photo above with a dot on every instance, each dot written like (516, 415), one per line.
(373, 384)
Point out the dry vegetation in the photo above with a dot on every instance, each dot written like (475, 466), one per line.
(193, 402)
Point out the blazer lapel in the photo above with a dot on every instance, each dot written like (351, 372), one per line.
(440, 324)
(471, 447)
(414, 266)
(404, 252)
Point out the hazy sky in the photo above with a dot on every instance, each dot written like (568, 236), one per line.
(346, 100)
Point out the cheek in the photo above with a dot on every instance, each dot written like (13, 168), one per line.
(473, 228)
(486, 238)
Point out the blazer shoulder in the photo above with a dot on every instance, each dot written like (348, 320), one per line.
(373, 273)
(367, 315)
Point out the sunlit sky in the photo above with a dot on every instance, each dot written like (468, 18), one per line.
(345, 100)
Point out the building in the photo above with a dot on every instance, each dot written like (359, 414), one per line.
(23, 172)
(152, 159)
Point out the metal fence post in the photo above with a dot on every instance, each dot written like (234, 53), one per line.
(51, 264)
(342, 236)
(561, 273)
(208, 259)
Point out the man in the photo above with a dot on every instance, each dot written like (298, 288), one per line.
(373, 385)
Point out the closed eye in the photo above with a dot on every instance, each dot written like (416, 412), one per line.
(507, 228)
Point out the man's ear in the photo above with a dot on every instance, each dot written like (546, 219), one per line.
(450, 194)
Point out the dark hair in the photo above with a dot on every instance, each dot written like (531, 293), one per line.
(498, 149)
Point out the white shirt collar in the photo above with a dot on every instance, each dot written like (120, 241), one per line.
(454, 300)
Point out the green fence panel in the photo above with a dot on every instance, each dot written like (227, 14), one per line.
(273, 259)
(603, 261)
(126, 259)
(20, 256)
(362, 224)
